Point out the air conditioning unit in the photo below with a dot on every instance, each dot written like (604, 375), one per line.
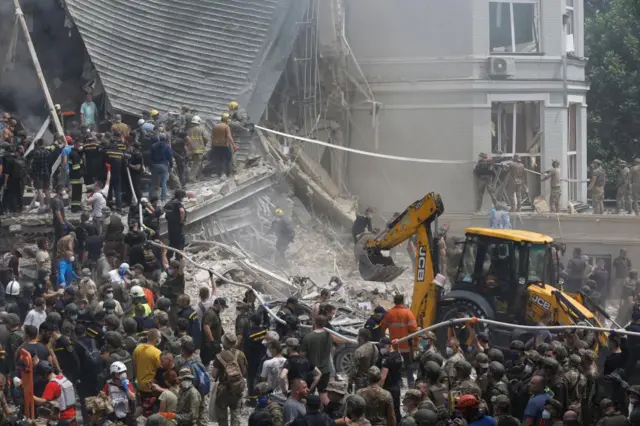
(501, 67)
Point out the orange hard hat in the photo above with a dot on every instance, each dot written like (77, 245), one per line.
(467, 401)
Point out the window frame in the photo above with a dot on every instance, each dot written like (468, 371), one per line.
(570, 11)
(537, 23)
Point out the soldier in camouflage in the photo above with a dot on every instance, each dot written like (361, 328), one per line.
(98, 408)
(189, 399)
(623, 192)
(556, 189)
(379, 403)
(364, 357)
(577, 383)
(463, 383)
(596, 186)
(495, 385)
(266, 408)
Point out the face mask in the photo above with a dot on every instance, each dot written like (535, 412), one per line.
(425, 344)
(123, 376)
(546, 415)
(73, 317)
(449, 351)
(263, 401)
(264, 344)
(109, 295)
(185, 384)
(384, 351)
(269, 353)
(169, 271)
(72, 259)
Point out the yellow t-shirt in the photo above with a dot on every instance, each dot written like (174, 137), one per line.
(147, 360)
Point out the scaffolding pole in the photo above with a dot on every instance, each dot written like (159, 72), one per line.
(36, 64)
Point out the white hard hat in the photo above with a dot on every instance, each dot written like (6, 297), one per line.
(136, 291)
(144, 200)
(13, 288)
(117, 367)
(196, 119)
(141, 122)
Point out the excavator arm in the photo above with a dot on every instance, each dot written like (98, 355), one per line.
(375, 266)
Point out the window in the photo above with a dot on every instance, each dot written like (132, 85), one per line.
(569, 24)
(514, 26)
(538, 262)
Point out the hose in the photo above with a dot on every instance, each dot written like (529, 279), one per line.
(475, 320)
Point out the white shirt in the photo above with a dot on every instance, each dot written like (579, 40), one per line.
(99, 201)
(35, 318)
(207, 304)
(271, 371)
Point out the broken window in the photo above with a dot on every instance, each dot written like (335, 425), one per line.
(569, 23)
(514, 26)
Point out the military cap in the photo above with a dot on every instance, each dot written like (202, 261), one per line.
(606, 403)
(86, 272)
(413, 393)
(374, 373)
(425, 417)
(337, 387)
(292, 342)
(262, 388)
(634, 389)
(500, 401)
(430, 335)
(185, 374)
(482, 360)
(229, 339)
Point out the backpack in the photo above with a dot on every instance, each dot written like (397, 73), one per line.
(202, 381)
(67, 393)
(92, 358)
(233, 373)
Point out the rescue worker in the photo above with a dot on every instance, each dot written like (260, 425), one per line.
(483, 172)
(469, 407)
(173, 287)
(555, 176)
(120, 127)
(179, 143)
(364, 357)
(76, 172)
(391, 372)
(267, 410)
(237, 115)
(189, 401)
(115, 158)
(289, 314)
(58, 388)
(634, 173)
(198, 141)
(254, 350)
(515, 180)
(139, 298)
(623, 191)
(222, 147)
(379, 403)
(596, 186)
(400, 322)
(230, 369)
(120, 390)
(136, 169)
(285, 233)
(373, 323)
(362, 223)
(212, 330)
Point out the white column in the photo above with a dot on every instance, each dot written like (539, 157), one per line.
(554, 145)
(581, 151)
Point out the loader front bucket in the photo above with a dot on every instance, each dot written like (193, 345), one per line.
(375, 266)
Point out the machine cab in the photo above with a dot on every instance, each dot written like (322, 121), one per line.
(499, 265)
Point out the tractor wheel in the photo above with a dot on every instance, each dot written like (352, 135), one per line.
(460, 308)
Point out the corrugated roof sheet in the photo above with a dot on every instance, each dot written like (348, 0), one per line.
(201, 53)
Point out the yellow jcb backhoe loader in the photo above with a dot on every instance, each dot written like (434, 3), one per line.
(505, 275)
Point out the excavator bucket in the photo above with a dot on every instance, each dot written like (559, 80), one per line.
(375, 266)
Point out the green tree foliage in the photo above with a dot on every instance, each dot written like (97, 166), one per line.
(613, 47)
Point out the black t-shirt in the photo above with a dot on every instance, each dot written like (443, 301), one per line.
(299, 367)
(392, 361)
(134, 238)
(57, 205)
(93, 245)
(135, 160)
(172, 211)
(37, 349)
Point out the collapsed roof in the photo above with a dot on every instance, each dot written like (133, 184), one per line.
(163, 54)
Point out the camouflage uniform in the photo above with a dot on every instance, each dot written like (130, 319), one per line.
(597, 190)
(484, 176)
(623, 193)
(274, 409)
(188, 409)
(634, 179)
(577, 383)
(379, 404)
(364, 357)
(556, 188)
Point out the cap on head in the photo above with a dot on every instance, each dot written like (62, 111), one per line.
(292, 301)
(337, 387)
(185, 374)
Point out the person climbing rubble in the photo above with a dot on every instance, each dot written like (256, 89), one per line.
(285, 233)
